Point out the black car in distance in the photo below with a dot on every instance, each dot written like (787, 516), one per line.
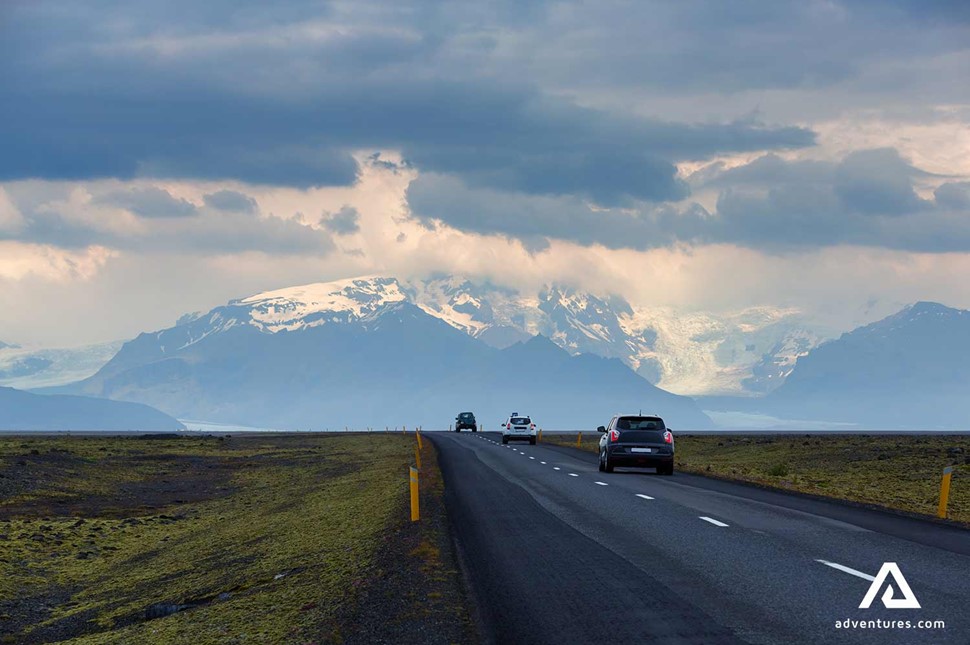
(466, 421)
(635, 440)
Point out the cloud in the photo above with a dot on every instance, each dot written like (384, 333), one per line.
(343, 222)
(77, 220)
(954, 195)
(10, 217)
(150, 202)
(230, 200)
(289, 104)
(536, 219)
(869, 198)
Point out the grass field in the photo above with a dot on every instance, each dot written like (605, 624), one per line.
(259, 539)
(897, 472)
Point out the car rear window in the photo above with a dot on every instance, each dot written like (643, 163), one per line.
(521, 421)
(639, 423)
(466, 415)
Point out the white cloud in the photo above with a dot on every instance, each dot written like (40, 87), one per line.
(20, 261)
(11, 219)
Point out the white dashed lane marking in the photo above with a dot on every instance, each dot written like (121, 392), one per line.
(601, 483)
(555, 467)
(842, 567)
(573, 475)
(641, 496)
(713, 521)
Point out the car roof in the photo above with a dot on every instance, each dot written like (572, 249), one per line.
(652, 416)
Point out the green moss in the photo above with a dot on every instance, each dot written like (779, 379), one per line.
(287, 536)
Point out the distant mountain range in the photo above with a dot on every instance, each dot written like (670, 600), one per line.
(363, 351)
(22, 411)
(749, 351)
(27, 368)
(746, 352)
(384, 352)
(910, 370)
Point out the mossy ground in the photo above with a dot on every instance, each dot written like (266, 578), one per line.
(260, 539)
(896, 472)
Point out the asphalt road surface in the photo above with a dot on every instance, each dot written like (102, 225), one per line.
(558, 552)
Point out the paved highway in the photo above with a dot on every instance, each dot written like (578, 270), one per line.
(558, 552)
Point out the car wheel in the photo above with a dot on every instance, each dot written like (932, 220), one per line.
(666, 470)
(607, 466)
(474, 429)
(505, 440)
(601, 463)
(532, 441)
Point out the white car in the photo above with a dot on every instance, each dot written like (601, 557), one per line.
(519, 426)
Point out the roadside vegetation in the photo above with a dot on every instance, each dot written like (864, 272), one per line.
(255, 539)
(896, 472)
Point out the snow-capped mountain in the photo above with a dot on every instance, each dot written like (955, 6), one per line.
(911, 369)
(29, 368)
(745, 352)
(359, 352)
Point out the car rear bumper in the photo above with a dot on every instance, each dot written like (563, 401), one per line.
(518, 435)
(631, 460)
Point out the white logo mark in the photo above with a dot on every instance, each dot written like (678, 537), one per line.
(908, 601)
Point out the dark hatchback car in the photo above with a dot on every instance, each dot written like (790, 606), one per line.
(639, 441)
(466, 421)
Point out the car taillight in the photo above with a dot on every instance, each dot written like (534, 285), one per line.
(508, 426)
(614, 435)
(668, 436)
(532, 426)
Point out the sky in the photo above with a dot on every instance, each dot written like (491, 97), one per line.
(163, 158)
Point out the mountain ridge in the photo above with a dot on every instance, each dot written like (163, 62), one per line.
(385, 364)
(24, 411)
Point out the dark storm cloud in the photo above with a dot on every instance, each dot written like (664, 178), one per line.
(211, 230)
(343, 222)
(230, 200)
(535, 220)
(185, 97)
(149, 202)
(867, 199)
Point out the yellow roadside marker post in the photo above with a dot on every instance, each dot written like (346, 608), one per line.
(945, 491)
(540, 435)
(417, 456)
(417, 433)
(415, 509)
(579, 440)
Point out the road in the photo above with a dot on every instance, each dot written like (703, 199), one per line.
(557, 552)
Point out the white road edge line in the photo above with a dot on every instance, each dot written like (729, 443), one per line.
(713, 521)
(840, 567)
(601, 483)
(641, 496)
